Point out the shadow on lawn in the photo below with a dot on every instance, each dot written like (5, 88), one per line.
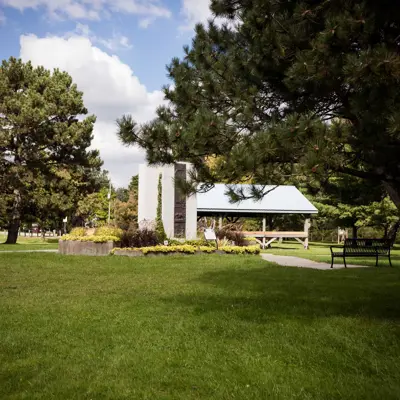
(266, 294)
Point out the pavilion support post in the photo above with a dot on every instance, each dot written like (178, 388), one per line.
(220, 223)
(307, 225)
(264, 228)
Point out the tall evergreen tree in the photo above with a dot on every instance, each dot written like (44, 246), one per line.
(295, 86)
(42, 136)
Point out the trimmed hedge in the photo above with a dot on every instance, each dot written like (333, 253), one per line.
(187, 249)
(78, 232)
(92, 238)
(108, 231)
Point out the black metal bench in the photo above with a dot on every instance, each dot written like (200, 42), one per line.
(362, 248)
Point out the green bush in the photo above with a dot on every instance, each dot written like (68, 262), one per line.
(78, 232)
(160, 231)
(241, 249)
(92, 238)
(108, 231)
(139, 238)
(187, 249)
(200, 242)
(207, 249)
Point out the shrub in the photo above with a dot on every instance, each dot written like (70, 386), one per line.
(200, 243)
(160, 231)
(241, 249)
(233, 236)
(169, 249)
(78, 232)
(108, 231)
(92, 238)
(187, 249)
(139, 238)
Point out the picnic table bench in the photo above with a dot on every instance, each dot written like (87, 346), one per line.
(362, 248)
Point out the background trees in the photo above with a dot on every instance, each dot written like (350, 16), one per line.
(44, 140)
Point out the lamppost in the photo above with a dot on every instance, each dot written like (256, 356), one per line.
(109, 203)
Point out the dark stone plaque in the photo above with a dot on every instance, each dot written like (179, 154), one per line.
(180, 203)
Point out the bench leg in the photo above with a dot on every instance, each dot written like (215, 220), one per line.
(332, 262)
(344, 261)
(390, 261)
(376, 264)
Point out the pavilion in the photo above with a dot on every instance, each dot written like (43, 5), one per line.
(283, 199)
(180, 214)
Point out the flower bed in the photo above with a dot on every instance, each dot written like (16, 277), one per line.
(183, 249)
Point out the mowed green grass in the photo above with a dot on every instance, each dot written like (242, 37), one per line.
(195, 327)
(28, 243)
(321, 252)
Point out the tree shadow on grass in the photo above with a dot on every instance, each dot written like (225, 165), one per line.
(265, 294)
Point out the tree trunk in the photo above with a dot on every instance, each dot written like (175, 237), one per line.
(355, 230)
(393, 232)
(15, 222)
(385, 232)
(393, 192)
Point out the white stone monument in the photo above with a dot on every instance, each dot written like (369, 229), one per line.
(179, 213)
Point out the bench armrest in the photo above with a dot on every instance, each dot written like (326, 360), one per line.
(336, 247)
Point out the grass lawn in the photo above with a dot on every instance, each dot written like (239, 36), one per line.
(321, 252)
(28, 243)
(201, 327)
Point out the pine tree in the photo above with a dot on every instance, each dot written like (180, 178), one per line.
(258, 95)
(42, 137)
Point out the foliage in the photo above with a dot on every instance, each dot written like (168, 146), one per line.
(236, 237)
(139, 238)
(258, 96)
(79, 232)
(134, 184)
(92, 238)
(108, 231)
(126, 213)
(241, 249)
(44, 141)
(122, 194)
(188, 249)
(200, 243)
(160, 231)
(93, 208)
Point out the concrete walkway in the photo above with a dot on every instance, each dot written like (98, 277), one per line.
(289, 261)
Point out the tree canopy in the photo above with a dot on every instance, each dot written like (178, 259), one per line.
(44, 140)
(284, 89)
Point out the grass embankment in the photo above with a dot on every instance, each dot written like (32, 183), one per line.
(205, 327)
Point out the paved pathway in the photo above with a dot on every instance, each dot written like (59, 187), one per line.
(289, 261)
(30, 251)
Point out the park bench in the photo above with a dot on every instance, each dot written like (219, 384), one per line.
(362, 248)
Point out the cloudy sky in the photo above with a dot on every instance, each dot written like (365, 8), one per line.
(115, 50)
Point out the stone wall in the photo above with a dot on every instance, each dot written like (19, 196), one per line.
(76, 247)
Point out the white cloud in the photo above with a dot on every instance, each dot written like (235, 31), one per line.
(92, 9)
(198, 11)
(110, 89)
(115, 43)
(195, 11)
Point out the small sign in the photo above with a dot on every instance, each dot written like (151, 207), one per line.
(65, 219)
(209, 234)
(165, 242)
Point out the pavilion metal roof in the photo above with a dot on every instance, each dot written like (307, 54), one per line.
(281, 200)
